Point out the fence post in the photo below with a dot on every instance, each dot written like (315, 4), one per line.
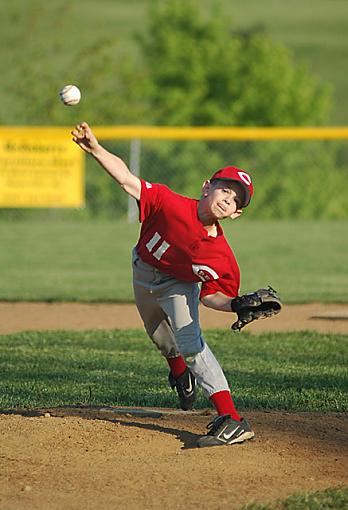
(134, 163)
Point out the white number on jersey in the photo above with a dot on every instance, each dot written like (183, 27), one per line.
(163, 247)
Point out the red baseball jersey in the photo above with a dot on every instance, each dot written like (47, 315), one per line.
(173, 240)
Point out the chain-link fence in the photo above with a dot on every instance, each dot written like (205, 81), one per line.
(303, 176)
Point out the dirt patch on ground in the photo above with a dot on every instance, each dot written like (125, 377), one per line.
(115, 458)
(327, 318)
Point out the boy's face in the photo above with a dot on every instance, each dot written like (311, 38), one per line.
(223, 199)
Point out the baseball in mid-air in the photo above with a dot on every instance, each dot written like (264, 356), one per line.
(70, 95)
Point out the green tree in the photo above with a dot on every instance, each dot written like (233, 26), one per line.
(201, 73)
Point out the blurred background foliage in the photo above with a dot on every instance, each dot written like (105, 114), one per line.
(174, 63)
(182, 65)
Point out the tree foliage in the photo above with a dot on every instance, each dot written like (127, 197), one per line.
(200, 72)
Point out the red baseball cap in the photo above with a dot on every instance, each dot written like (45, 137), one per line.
(232, 173)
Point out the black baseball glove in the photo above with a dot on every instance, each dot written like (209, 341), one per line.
(256, 305)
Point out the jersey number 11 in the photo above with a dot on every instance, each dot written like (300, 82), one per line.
(163, 247)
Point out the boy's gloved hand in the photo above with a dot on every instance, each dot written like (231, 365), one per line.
(256, 305)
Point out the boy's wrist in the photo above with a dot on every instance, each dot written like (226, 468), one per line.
(234, 304)
(97, 150)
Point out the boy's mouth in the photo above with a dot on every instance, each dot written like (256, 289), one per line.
(222, 209)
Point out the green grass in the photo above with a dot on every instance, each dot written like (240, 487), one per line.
(302, 371)
(48, 37)
(66, 261)
(334, 499)
(84, 261)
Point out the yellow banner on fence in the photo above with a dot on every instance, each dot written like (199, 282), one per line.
(40, 171)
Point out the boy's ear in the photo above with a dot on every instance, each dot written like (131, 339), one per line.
(236, 214)
(206, 187)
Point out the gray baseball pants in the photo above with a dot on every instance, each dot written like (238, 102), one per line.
(169, 310)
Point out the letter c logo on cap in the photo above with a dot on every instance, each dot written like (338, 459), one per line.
(245, 178)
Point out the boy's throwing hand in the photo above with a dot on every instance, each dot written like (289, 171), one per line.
(84, 137)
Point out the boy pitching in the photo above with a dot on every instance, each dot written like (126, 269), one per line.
(182, 258)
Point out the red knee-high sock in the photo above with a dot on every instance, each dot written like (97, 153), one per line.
(223, 403)
(177, 365)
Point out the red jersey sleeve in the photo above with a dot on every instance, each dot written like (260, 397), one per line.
(151, 199)
(228, 285)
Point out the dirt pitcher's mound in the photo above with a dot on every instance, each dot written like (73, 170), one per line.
(92, 458)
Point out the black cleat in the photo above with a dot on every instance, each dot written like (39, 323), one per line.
(186, 388)
(223, 430)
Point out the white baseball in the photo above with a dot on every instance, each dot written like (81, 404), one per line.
(70, 95)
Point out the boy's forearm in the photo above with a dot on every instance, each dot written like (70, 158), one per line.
(118, 170)
(113, 165)
(217, 301)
